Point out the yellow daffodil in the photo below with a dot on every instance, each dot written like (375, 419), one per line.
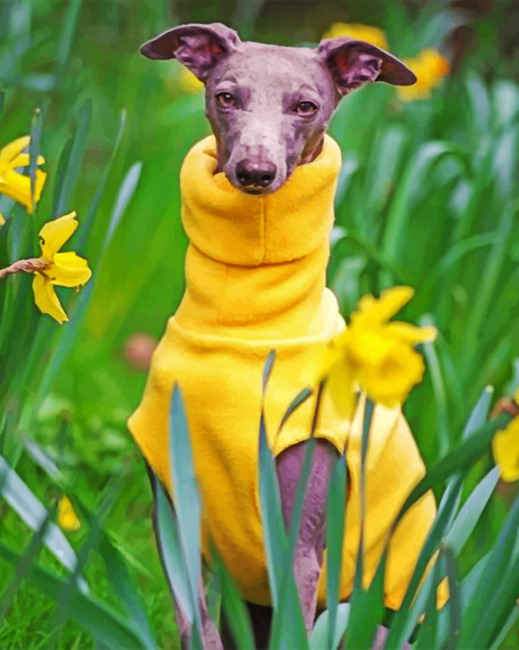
(430, 67)
(375, 354)
(67, 518)
(369, 33)
(13, 184)
(505, 447)
(63, 269)
(188, 82)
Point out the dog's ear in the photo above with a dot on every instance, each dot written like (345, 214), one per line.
(353, 63)
(198, 47)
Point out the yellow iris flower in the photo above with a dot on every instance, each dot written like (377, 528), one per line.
(63, 269)
(13, 184)
(67, 518)
(430, 67)
(505, 447)
(369, 33)
(375, 354)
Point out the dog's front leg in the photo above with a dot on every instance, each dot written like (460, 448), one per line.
(210, 636)
(310, 543)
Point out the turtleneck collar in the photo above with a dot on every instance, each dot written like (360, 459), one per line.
(236, 228)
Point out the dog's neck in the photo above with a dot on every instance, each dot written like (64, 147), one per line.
(254, 260)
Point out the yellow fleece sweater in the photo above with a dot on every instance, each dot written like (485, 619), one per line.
(255, 281)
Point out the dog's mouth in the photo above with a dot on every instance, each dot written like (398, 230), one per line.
(254, 190)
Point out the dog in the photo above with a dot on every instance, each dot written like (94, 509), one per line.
(258, 210)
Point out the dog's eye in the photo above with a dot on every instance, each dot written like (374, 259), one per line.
(225, 99)
(305, 108)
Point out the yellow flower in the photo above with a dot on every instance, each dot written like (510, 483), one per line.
(430, 67)
(188, 82)
(375, 354)
(373, 35)
(64, 269)
(67, 518)
(505, 447)
(13, 184)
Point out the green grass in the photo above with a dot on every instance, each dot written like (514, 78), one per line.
(427, 197)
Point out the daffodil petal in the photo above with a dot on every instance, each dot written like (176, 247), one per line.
(505, 447)
(14, 148)
(24, 160)
(2, 219)
(46, 299)
(17, 187)
(389, 303)
(408, 333)
(67, 518)
(55, 233)
(69, 270)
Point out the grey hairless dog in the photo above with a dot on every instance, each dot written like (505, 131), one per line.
(269, 107)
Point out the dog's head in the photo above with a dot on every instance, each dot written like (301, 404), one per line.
(269, 105)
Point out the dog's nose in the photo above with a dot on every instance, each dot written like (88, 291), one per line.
(249, 172)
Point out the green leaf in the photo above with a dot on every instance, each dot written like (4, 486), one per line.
(455, 606)
(479, 413)
(69, 167)
(187, 498)
(23, 566)
(500, 581)
(428, 635)
(367, 605)
(335, 522)
(481, 306)
(396, 635)
(105, 624)
(320, 633)
(126, 191)
(234, 608)
(460, 458)
(299, 399)
(267, 369)
(30, 509)
(288, 628)
(440, 396)
(479, 103)
(67, 34)
(170, 549)
(34, 150)
(469, 515)
(429, 154)
(88, 222)
(276, 543)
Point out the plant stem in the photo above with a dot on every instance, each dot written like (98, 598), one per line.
(31, 265)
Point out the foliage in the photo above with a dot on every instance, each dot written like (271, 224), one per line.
(426, 197)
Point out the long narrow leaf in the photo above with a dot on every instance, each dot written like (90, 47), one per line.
(187, 498)
(471, 512)
(30, 509)
(105, 624)
(335, 522)
(171, 550)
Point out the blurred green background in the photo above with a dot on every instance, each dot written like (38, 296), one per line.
(427, 197)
